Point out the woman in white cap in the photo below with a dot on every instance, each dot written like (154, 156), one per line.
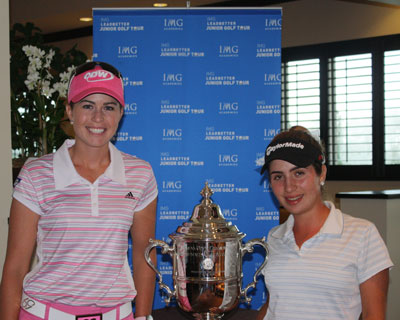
(78, 206)
(323, 264)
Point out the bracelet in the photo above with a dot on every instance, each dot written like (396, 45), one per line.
(149, 317)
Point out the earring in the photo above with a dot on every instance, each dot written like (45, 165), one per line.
(71, 122)
(322, 183)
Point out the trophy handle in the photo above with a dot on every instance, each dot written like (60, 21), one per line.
(165, 249)
(248, 247)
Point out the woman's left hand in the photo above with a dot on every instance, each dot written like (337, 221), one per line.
(374, 296)
(143, 228)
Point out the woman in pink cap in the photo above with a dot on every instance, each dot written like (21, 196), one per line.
(78, 206)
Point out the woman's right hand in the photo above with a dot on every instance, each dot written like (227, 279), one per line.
(22, 234)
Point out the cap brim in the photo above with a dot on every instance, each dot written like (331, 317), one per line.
(94, 90)
(299, 160)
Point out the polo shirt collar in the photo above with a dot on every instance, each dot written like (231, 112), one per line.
(65, 173)
(116, 169)
(332, 225)
(334, 222)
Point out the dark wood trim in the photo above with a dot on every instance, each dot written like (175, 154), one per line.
(68, 34)
(384, 194)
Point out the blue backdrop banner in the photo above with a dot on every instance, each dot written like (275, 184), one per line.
(203, 99)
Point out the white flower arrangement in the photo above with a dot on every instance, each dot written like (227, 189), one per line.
(48, 90)
(39, 73)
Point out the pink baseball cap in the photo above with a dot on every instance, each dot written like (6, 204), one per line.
(95, 77)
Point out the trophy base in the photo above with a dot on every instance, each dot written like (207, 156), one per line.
(208, 315)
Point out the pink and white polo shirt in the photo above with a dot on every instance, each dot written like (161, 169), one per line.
(82, 238)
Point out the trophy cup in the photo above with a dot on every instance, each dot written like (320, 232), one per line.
(207, 256)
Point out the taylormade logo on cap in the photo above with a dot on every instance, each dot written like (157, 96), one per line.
(98, 75)
(284, 145)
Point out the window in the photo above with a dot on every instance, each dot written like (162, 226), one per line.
(300, 94)
(350, 110)
(350, 91)
(392, 107)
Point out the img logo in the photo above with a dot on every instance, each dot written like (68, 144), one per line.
(173, 24)
(266, 186)
(171, 186)
(228, 108)
(228, 51)
(272, 79)
(273, 24)
(230, 214)
(131, 108)
(172, 79)
(270, 133)
(127, 52)
(228, 160)
(172, 134)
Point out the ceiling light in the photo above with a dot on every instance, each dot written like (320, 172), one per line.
(85, 19)
(160, 5)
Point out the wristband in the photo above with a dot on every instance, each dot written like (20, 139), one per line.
(149, 317)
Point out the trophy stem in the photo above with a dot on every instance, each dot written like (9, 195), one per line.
(208, 316)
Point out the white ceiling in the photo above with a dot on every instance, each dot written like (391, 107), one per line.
(60, 15)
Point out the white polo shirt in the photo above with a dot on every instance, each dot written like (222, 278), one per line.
(321, 279)
(82, 239)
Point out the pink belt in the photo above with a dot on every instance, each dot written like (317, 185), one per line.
(38, 309)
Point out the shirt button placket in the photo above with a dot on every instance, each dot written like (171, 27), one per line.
(95, 200)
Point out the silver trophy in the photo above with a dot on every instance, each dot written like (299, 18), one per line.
(207, 256)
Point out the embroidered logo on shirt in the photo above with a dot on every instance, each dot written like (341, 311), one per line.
(130, 195)
(18, 180)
